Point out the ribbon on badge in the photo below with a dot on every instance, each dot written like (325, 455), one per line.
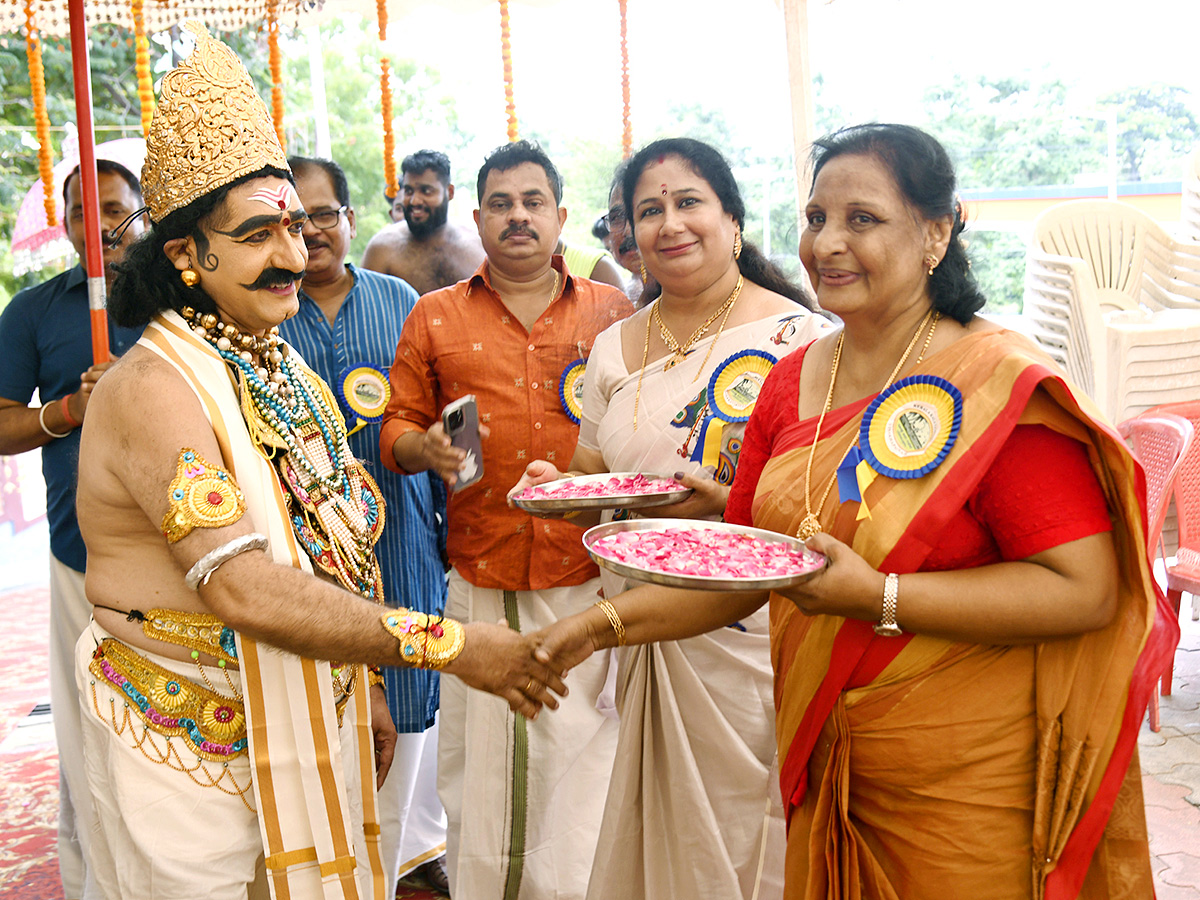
(570, 389)
(732, 394)
(906, 432)
(364, 391)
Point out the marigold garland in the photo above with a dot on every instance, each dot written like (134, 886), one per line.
(391, 183)
(626, 121)
(142, 55)
(389, 137)
(510, 105)
(276, 71)
(37, 90)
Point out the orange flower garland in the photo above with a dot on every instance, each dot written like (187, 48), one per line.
(276, 71)
(510, 105)
(37, 89)
(626, 121)
(391, 184)
(142, 55)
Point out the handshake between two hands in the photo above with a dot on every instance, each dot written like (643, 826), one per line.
(526, 670)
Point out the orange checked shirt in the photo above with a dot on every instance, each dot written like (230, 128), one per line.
(463, 340)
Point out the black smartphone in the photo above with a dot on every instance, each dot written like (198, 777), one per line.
(461, 421)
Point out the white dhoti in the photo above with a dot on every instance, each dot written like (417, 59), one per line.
(412, 823)
(523, 798)
(69, 615)
(167, 824)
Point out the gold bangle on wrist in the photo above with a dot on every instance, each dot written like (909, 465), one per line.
(887, 626)
(426, 642)
(374, 677)
(615, 620)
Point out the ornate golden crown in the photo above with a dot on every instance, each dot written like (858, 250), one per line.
(210, 127)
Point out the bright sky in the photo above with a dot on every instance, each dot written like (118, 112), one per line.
(876, 56)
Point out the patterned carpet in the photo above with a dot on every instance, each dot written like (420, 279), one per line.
(29, 762)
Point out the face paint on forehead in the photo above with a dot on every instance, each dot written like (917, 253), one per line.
(275, 197)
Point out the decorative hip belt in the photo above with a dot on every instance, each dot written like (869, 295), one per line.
(212, 724)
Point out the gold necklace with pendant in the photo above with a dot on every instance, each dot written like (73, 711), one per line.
(810, 524)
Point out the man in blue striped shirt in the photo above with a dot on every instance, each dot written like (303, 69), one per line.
(347, 329)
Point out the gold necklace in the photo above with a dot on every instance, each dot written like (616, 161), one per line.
(810, 524)
(727, 307)
(679, 350)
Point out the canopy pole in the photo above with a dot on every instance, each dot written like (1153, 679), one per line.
(88, 182)
(795, 18)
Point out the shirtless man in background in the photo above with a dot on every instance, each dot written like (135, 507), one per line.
(426, 250)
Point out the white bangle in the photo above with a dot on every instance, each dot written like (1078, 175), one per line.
(214, 559)
(42, 422)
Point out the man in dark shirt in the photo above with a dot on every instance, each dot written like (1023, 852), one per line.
(46, 335)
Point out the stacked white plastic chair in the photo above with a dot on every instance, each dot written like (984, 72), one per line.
(1190, 212)
(1116, 300)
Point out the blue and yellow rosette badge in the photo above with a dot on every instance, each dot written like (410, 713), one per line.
(732, 394)
(570, 389)
(363, 389)
(906, 432)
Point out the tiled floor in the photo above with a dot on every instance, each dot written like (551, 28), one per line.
(1171, 775)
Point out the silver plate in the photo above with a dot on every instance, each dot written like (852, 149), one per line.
(700, 582)
(609, 501)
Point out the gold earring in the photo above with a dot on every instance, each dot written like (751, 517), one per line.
(931, 261)
(190, 277)
(737, 244)
(642, 271)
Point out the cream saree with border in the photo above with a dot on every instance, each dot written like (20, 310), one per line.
(693, 807)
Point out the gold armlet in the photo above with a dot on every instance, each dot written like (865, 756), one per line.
(200, 496)
(615, 620)
(426, 642)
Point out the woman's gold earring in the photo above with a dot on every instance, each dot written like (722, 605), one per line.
(932, 262)
(190, 277)
(642, 271)
(737, 244)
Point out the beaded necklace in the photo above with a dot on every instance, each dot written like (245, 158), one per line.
(335, 507)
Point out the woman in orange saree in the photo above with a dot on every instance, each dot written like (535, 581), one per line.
(958, 694)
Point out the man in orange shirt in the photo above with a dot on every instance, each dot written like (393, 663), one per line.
(534, 791)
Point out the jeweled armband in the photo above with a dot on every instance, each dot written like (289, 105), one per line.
(426, 642)
(200, 496)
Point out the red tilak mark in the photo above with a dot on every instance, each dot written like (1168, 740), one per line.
(286, 221)
(664, 187)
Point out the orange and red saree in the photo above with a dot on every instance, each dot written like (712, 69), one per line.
(916, 767)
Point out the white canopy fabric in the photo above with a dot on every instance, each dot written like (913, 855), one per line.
(220, 15)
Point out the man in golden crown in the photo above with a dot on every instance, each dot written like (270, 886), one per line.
(233, 735)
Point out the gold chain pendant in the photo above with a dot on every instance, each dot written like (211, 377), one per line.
(808, 527)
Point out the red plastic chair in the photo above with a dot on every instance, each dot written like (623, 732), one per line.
(1161, 442)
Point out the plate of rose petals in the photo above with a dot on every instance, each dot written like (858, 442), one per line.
(608, 490)
(707, 555)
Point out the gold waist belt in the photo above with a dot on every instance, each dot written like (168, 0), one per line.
(199, 632)
(212, 725)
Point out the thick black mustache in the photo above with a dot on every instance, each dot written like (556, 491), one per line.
(273, 277)
(518, 229)
(628, 245)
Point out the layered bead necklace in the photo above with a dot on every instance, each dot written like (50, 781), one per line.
(336, 508)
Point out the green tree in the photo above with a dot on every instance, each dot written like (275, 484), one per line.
(1012, 133)
(1156, 126)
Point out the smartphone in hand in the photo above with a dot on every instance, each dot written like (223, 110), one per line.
(461, 421)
